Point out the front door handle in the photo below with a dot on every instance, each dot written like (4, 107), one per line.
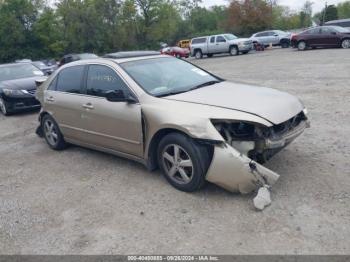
(88, 106)
(50, 99)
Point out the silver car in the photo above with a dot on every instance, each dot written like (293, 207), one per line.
(219, 44)
(272, 37)
(170, 114)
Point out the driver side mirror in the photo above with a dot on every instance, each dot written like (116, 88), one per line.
(119, 96)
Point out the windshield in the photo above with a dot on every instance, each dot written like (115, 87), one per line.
(166, 76)
(18, 71)
(341, 29)
(230, 37)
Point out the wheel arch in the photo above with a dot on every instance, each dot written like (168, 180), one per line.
(233, 45)
(151, 150)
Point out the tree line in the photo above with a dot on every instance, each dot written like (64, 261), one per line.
(41, 29)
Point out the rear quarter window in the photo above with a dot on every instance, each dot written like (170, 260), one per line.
(199, 40)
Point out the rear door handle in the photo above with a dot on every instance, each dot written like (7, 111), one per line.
(88, 106)
(50, 99)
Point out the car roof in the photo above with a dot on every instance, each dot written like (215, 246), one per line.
(101, 60)
(14, 64)
(130, 54)
(338, 21)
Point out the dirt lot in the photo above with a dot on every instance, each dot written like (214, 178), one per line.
(84, 202)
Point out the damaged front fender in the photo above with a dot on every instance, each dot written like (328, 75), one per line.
(236, 172)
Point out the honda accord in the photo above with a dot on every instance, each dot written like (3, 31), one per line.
(170, 114)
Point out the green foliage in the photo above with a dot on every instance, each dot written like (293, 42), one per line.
(344, 10)
(34, 29)
(327, 14)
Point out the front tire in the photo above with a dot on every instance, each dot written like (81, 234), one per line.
(345, 43)
(184, 162)
(4, 107)
(234, 50)
(52, 133)
(302, 46)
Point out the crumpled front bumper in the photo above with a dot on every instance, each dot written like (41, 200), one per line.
(236, 172)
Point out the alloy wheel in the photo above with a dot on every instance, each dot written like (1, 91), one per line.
(50, 132)
(233, 51)
(177, 164)
(198, 55)
(346, 43)
(302, 45)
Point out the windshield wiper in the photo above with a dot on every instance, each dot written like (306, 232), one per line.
(209, 83)
(171, 93)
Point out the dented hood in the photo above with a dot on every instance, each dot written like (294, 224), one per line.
(272, 105)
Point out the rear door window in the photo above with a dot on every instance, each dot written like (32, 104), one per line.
(70, 79)
(199, 40)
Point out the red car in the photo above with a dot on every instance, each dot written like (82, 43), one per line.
(322, 36)
(176, 51)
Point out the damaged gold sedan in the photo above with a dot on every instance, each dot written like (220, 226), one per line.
(169, 114)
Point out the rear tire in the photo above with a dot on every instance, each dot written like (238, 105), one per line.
(4, 107)
(302, 46)
(345, 43)
(285, 44)
(198, 54)
(184, 162)
(234, 50)
(52, 133)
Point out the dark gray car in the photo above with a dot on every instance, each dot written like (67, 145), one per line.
(18, 87)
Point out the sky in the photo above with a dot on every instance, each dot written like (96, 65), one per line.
(293, 4)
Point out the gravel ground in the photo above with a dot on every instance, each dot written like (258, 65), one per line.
(81, 201)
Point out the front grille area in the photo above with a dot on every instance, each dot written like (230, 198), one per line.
(287, 126)
(32, 91)
(248, 42)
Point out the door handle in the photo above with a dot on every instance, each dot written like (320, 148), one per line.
(88, 106)
(50, 99)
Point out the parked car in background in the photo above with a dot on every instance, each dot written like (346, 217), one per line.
(176, 51)
(23, 61)
(48, 70)
(125, 54)
(18, 86)
(322, 36)
(341, 22)
(218, 44)
(169, 114)
(75, 57)
(184, 44)
(272, 37)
